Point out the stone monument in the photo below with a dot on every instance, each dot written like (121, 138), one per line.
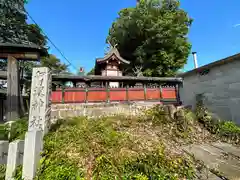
(39, 120)
(14, 158)
(40, 105)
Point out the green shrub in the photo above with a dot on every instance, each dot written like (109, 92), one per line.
(17, 129)
(2, 171)
(18, 173)
(157, 115)
(3, 132)
(100, 149)
(226, 130)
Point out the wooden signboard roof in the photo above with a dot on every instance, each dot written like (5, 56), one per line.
(18, 51)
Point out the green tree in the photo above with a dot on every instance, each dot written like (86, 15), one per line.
(36, 36)
(153, 35)
(91, 72)
(13, 26)
(53, 63)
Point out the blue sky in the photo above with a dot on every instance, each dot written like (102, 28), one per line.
(79, 28)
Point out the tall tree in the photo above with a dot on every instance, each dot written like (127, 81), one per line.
(36, 36)
(153, 35)
(53, 63)
(13, 26)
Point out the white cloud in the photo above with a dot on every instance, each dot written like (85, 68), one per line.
(236, 25)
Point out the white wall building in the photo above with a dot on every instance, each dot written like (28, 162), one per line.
(219, 82)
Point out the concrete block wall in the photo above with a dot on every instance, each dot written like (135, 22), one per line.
(221, 88)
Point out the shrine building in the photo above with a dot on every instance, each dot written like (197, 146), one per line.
(110, 65)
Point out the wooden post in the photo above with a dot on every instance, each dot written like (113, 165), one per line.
(86, 93)
(13, 90)
(107, 90)
(63, 93)
(177, 94)
(145, 91)
(22, 105)
(127, 87)
(27, 103)
(161, 96)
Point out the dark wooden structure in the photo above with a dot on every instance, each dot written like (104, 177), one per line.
(13, 53)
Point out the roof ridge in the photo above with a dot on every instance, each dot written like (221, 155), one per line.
(112, 51)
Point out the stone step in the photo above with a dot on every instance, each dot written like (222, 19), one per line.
(214, 158)
(228, 148)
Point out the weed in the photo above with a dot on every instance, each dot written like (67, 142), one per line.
(2, 171)
(226, 130)
(104, 148)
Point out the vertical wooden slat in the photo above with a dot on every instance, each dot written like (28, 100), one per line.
(160, 90)
(177, 93)
(86, 93)
(108, 92)
(145, 91)
(127, 97)
(63, 93)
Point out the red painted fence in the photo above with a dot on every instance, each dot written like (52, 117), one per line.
(80, 95)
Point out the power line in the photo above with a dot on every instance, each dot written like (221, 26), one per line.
(51, 42)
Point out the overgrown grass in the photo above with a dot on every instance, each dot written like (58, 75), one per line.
(2, 171)
(226, 130)
(108, 148)
(120, 147)
(16, 130)
(3, 132)
(183, 128)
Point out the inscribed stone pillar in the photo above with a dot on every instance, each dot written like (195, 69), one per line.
(32, 153)
(40, 104)
(39, 120)
(13, 89)
(15, 158)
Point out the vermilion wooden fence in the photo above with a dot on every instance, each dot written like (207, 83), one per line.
(81, 95)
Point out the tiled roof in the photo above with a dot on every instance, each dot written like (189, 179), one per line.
(112, 52)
